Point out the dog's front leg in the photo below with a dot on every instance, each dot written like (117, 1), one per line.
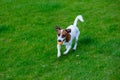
(59, 53)
(68, 49)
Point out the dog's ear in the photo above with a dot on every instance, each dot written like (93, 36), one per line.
(68, 30)
(58, 28)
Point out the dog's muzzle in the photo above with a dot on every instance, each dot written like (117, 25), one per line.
(59, 41)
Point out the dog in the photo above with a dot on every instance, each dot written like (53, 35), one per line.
(66, 36)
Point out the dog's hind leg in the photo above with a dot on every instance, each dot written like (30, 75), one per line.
(76, 41)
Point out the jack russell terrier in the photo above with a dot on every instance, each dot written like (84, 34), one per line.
(66, 36)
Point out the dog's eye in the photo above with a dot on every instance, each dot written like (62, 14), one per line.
(63, 36)
(58, 34)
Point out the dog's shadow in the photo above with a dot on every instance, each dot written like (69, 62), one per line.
(86, 40)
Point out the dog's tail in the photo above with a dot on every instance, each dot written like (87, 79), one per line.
(79, 17)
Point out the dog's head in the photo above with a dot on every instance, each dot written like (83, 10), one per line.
(63, 34)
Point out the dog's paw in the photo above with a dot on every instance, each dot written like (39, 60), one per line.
(74, 49)
(58, 55)
(65, 52)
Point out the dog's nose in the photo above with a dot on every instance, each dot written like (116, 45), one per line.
(59, 41)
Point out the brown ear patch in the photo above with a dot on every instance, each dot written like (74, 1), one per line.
(58, 28)
(58, 32)
(68, 30)
(68, 36)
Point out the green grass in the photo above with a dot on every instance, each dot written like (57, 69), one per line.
(28, 40)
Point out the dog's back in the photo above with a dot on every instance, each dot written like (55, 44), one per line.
(74, 31)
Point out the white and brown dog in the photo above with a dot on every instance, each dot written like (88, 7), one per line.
(66, 36)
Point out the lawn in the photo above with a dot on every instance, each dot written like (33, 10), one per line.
(28, 40)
